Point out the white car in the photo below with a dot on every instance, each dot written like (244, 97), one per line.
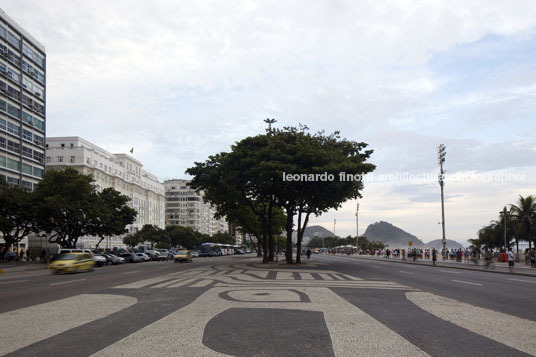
(144, 256)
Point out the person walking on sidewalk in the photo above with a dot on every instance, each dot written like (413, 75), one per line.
(434, 256)
(510, 260)
(308, 254)
(533, 258)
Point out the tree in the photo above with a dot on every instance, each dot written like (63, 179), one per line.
(222, 238)
(132, 240)
(319, 160)
(154, 235)
(524, 217)
(114, 214)
(253, 175)
(17, 214)
(69, 206)
(185, 237)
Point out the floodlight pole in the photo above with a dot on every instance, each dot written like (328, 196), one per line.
(356, 223)
(441, 153)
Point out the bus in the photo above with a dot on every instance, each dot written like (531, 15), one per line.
(210, 250)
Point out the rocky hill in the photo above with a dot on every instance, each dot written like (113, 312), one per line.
(451, 244)
(391, 235)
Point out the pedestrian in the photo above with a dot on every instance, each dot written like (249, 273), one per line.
(27, 255)
(43, 255)
(21, 254)
(308, 254)
(403, 255)
(414, 253)
(533, 258)
(510, 260)
(434, 256)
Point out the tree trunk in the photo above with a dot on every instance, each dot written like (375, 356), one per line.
(289, 226)
(270, 233)
(298, 242)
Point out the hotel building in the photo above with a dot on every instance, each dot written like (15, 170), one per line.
(120, 171)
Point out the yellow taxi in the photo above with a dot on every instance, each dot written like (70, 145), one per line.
(72, 263)
(183, 256)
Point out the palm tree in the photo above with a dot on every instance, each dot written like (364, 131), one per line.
(524, 215)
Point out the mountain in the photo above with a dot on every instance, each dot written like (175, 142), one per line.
(393, 236)
(438, 245)
(317, 231)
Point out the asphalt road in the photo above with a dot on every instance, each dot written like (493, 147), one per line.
(331, 306)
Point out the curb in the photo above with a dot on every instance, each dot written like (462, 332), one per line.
(452, 267)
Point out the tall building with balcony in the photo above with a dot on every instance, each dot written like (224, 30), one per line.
(22, 105)
(185, 207)
(120, 171)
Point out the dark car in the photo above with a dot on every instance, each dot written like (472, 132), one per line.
(161, 257)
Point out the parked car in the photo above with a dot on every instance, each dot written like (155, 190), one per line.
(131, 258)
(183, 256)
(72, 263)
(144, 256)
(161, 257)
(195, 253)
(113, 259)
(239, 251)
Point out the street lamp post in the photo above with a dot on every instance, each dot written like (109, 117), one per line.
(356, 223)
(441, 153)
(505, 214)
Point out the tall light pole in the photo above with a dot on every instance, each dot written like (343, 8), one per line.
(441, 153)
(356, 223)
(334, 222)
(269, 122)
(505, 214)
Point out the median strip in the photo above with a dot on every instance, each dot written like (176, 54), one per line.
(451, 272)
(465, 282)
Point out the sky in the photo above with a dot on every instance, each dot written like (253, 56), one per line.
(181, 80)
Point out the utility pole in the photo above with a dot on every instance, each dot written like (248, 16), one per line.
(505, 213)
(441, 153)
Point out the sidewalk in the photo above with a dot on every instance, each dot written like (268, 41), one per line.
(501, 268)
(11, 267)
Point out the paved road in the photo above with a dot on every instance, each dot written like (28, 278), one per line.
(332, 306)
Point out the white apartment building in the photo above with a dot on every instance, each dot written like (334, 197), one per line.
(185, 207)
(120, 171)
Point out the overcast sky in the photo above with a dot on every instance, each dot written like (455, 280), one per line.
(181, 80)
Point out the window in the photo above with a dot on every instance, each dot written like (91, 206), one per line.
(27, 185)
(2, 142)
(38, 156)
(38, 140)
(13, 40)
(38, 172)
(13, 164)
(27, 169)
(13, 129)
(48, 159)
(88, 161)
(13, 110)
(73, 159)
(60, 158)
(27, 152)
(27, 135)
(13, 146)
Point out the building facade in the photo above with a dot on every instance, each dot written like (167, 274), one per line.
(185, 207)
(119, 171)
(22, 105)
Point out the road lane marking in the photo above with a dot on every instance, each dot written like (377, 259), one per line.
(13, 281)
(374, 266)
(67, 282)
(518, 335)
(130, 272)
(525, 281)
(448, 271)
(406, 272)
(180, 283)
(306, 276)
(465, 282)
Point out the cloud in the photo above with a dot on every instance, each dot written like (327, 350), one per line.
(183, 80)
